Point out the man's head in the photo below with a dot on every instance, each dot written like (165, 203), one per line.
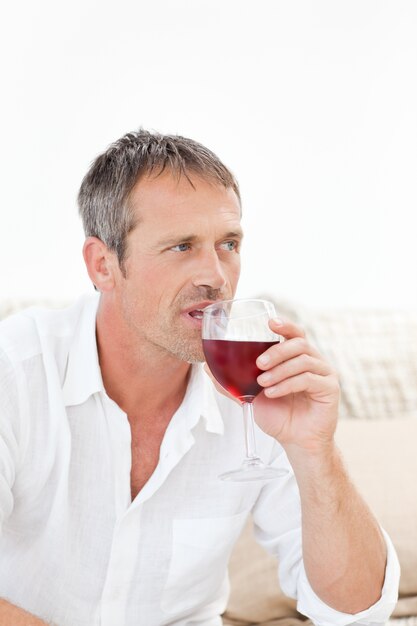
(162, 219)
(104, 198)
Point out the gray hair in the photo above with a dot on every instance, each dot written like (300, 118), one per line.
(103, 198)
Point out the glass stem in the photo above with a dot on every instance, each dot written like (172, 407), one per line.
(249, 429)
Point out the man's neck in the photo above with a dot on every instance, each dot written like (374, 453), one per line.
(143, 381)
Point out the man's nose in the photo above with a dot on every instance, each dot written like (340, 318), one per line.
(209, 271)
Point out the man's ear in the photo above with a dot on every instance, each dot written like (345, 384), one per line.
(100, 263)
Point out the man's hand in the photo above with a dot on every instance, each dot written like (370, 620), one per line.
(299, 407)
(299, 404)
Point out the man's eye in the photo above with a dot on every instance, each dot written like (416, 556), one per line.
(181, 247)
(229, 245)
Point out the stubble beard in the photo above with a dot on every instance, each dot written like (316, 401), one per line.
(172, 336)
(169, 336)
(185, 345)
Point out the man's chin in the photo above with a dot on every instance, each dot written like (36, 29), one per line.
(188, 350)
(191, 356)
(194, 360)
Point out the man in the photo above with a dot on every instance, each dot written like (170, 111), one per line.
(112, 434)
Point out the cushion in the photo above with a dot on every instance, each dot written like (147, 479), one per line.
(374, 353)
(9, 306)
(255, 594)
(382, 461)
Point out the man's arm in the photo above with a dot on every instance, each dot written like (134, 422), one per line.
(344, 552)
(11, 615)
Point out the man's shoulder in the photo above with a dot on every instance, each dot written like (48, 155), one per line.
(23, 333)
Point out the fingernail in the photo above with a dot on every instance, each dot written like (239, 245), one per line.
(264, 378)
(264, 359)
(278, 322)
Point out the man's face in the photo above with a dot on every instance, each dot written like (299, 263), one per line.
(182, 255)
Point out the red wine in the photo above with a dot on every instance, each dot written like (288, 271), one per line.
(233, 364)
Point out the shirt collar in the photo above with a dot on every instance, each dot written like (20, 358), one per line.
(83, 374)
(200, 401)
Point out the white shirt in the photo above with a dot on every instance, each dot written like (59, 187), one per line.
(75, 550)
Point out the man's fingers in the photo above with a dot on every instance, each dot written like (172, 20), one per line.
(286, 328)
(285, 350)
(298, 365)
(313, 384)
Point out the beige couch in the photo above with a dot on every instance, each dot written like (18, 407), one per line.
(375, 354)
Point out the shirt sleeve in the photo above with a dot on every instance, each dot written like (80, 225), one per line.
(10, 450)
(277, 520)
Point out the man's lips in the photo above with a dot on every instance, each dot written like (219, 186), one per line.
(196, 310)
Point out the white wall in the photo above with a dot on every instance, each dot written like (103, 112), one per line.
(313, 104)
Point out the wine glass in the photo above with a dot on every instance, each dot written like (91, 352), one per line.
(235, 333)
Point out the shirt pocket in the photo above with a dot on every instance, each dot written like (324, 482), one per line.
(200, 553)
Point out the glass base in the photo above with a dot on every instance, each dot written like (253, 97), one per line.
(253, 469)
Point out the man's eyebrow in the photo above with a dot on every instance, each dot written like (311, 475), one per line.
(233, 234)
(177, 239)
